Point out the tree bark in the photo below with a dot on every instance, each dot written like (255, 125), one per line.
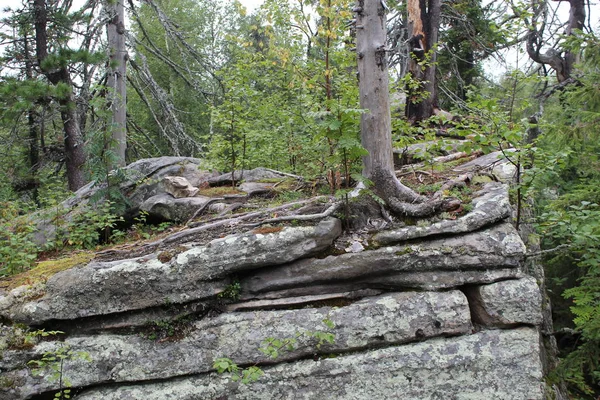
(375, 125)
(116, 78)
(563, 65)
(423, 27)
(73, 140)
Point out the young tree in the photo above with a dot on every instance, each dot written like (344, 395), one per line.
(375, 123)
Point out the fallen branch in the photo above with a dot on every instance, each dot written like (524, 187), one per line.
(548, 251)
(204, 207)
(299, 217)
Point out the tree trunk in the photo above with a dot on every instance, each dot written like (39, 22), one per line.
(116, 78)
(73, 140)
(563, 65)
(423, 28)
(375, 125)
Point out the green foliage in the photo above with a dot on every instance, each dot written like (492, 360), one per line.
(565, 181)
(232, 291)
(17, 249)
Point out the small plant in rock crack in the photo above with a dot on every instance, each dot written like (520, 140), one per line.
(52, 365)
(272, 347)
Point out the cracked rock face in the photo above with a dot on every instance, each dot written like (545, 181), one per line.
(368, 323)
(487, 365)
(423, 312)
(507, 303)
(494, 249)
(111, 287)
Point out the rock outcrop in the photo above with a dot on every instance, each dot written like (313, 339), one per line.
(435, 311)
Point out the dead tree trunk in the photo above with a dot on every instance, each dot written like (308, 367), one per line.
(375, 123)
(423, 29)
(59, 75)
(116, 78)
(563, 65)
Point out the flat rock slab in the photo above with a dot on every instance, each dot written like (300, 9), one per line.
(499, 247)
(100, 288)
(169, 208)
(507, 303)
(496, 162)
(497, 364)
(247, 175)
(426, 280)
(490, 205)
(376, 321)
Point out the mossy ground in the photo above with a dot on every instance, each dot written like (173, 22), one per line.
(45, 269)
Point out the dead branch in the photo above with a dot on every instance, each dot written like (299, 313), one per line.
(295, 217)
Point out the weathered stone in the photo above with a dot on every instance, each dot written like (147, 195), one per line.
(166, 207)
(384, 320)
(178, 187)
(497, 248)
(492, 364)
(495, 162)
(507, 303)
(490, 206)
(294, 302)
(111, 287)
(256, 188)
(426, 280)
(142, 181)
(247, 175)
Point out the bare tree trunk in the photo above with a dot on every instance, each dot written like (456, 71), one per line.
(375, 123)
(73, 140)
(116, 78)
(423, 27)
(563, 65)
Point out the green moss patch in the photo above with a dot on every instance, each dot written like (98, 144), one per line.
(45, 269)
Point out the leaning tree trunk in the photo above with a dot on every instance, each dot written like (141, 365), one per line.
(423, 27)
(59, 75)
(116, 78)
(375, 125)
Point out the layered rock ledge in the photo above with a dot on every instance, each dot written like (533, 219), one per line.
(429, 311)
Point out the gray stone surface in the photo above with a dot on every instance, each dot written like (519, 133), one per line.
(426, 280)
(493, 364)
(247, 175)
(497, 248)
(384, 320)
(110, 287)
(495, 162)
(178, 187)
(142, 181)
(507, 303)
(489, 206)
(166, 207)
